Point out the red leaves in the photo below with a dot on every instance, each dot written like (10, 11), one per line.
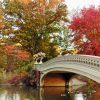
(22, 55)
(16, 52)
(91, 48)
(86, 26)
(88, 22)
(9, 49)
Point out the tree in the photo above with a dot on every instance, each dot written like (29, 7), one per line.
(31, 25)
(86, 31)
(3, 58)
(1, 16)
(15, 56)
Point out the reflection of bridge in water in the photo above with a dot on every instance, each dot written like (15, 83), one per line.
(85, 65)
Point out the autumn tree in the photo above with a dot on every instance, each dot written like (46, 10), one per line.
(2, 53)
(32, 25)
(1, 16)
(86, 31)
(15, 56)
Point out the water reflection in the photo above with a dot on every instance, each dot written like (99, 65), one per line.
(79, 96)
(48, 93)
(18, 93)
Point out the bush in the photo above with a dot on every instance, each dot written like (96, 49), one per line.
(16, 80)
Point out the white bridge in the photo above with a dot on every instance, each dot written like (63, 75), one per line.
(85, 65)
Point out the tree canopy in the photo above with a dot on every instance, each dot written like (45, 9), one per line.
(86, 31)
(32, 25)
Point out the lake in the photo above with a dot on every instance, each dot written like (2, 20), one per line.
(49, 93)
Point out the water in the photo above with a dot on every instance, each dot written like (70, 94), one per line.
(49, 93)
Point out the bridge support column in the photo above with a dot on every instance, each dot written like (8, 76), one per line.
(41, 80)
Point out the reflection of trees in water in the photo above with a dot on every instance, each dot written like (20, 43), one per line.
(48, 93)
(84, 93)
(19, 93)
(62, 93)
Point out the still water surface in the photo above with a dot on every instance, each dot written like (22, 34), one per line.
(49, 93)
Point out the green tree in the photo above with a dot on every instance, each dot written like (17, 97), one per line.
(32, 25)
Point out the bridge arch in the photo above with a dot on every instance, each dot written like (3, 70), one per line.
(85, 65)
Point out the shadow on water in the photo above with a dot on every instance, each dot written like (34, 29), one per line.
(49, 93)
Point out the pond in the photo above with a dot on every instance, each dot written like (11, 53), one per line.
(49, 93)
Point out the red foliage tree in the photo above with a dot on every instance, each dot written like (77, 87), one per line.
(86, 31)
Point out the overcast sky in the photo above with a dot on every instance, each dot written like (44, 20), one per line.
(78, 4)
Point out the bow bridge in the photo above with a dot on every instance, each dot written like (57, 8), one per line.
(85, 65)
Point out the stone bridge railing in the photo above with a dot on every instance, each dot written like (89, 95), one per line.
(90, 61)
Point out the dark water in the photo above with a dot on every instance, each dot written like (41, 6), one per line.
(49, 93)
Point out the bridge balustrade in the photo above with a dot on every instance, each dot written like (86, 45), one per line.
(90, 61)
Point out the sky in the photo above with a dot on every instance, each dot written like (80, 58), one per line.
(78, 4)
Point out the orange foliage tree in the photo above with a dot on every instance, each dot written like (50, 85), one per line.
(15, 56)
